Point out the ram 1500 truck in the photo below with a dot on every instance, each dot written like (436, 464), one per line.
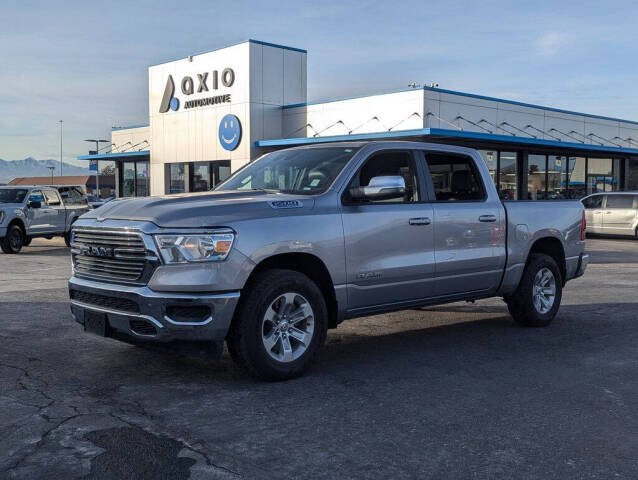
(27, 212)
(304, 238)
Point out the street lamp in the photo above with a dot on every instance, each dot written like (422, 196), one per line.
(97, 164)
(51, 169)
(61, 121)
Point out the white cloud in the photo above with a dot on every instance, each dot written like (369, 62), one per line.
(552, 43)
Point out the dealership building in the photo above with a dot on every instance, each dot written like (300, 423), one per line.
(210, 114)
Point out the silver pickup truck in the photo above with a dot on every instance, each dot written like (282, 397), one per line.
(302, 239)
(39, 211)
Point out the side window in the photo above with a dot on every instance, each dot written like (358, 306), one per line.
(399, 163)
(73, 196)
(454, 178)
(620, 201)
(52, 197)
(595, 201)
(36, 196)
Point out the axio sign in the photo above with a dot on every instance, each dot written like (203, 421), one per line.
(205, 82)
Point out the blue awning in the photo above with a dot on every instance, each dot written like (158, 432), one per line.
(114, 156)
(441, 133)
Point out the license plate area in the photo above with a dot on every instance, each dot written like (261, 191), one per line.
(96, 323)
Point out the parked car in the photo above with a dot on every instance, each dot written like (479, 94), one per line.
(302, 239)
(612, 213)
(37, 211)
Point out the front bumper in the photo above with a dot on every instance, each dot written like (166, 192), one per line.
(140, 314)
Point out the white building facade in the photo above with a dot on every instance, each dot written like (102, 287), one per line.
(212, 113)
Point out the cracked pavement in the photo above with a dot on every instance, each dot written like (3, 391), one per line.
(455, 391)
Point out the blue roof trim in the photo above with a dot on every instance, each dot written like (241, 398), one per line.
(284, 142)
(470, 95)
(285, 47)
(142, 125)
(107, 156)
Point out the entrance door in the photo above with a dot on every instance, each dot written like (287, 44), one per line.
(389, 243)
(594, 213)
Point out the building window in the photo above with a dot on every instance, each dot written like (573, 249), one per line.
(599, 175)
(141, 179)
(632, 174)
(128, 179)
(490, 157)
(176, 178)
(576, 178)
(556, 185)
(536, 177)
(200, 177)
(508, 175)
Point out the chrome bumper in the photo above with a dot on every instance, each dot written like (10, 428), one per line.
(152, 309)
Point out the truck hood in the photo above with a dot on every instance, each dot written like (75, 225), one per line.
(204, 209)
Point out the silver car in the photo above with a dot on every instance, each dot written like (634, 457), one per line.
(612, 213)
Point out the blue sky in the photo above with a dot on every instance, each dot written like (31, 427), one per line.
(86, 62)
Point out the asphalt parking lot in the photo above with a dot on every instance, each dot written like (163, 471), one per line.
(456, 391)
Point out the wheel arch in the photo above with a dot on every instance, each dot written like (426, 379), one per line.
(311, 266)
(19, 223)
(553, 247)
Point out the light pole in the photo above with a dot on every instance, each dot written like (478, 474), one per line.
(97, 162)
(61, 121)
(51, 169)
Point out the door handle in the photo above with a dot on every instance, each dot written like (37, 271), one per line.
(487, 218)
(420, 221)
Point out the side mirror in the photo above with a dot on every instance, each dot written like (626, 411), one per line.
(390, 186)
(34, 204)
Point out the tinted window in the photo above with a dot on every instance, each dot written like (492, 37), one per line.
(593, 202)
(620, 201)
(455, 178)
(389, 164)
(12, 195)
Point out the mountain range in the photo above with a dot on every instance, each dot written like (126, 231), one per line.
(31, 167)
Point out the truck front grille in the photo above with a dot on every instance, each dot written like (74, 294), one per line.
(109, 255)
(112, 303)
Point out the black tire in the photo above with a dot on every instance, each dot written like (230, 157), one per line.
(244, 339)
(521, 303)
(26, 242)
(14, 239)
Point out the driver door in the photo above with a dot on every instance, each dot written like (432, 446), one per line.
(36, 217)
(389, 243)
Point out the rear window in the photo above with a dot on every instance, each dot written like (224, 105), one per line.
(620, 201)
(454, 178)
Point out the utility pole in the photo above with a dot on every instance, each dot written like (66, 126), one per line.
(61, 147)
(51, 169)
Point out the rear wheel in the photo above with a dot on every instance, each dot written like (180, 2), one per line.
(279, 326)
(537, 298)
(13, 241)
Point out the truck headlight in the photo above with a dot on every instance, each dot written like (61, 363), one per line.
(186, 247)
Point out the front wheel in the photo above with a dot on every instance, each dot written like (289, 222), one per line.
(537, 298)
(279, 326)
(13, 241)
(26, 242)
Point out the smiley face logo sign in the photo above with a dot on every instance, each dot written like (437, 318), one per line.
(229, 132)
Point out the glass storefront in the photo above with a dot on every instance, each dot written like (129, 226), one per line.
(128, 179)
(536, 177)
(196, 176)
(176, 182)
(508, 175)
(599, 175)
(135, 179)
(575, 181)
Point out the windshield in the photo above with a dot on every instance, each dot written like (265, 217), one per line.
(305, 171)
(12, 195)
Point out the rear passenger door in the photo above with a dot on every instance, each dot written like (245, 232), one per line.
(389, 243)
(469, 228)
(619, 214)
